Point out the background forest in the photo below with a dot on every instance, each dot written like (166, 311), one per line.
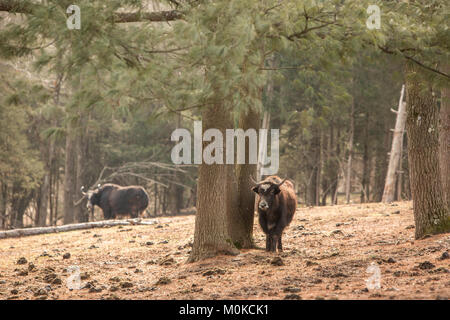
(99, 104)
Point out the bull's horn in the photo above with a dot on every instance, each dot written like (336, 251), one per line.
(284, 180)
(82, 191)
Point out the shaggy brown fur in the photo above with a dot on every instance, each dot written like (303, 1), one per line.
(277, 203)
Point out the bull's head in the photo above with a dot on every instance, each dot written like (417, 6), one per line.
(91, 196)
(267, 190)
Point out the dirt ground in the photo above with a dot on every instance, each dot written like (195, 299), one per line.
(327, 252)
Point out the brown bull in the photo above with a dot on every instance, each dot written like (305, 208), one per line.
(277, 203)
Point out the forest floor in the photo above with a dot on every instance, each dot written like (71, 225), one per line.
(327, 252)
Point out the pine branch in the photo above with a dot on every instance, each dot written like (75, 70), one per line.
(402, 51)
(26, 7)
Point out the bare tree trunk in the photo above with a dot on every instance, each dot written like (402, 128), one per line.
(241, 223)
(71, 227)
(3, 202)
(43, 201)
(20, 201)
(399, 186)
(262, 149)
(312, 198)
(155, 198)
(214, 196)
(431, 214)
(164, 204)
(319, 167)
(55, 221)
(366, 164)
(444, 141)
(394, 158)
(381, 165)
(348, 173)
(335, 168)
(327, 175)
(81, 213)
(69, 176)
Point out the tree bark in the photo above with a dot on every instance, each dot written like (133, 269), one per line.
(241, 224)
(313, 187)
(3, 201)
(319, 167)
(82, 156)
(444, 140)
(43, 201)
(20, 200)
(381, 165)
(71, 227)
(335, 167)
(69, 176)
(396, 149)
(430, 211)
(262, 149)
(366, 163)
(348, 173)
(214, 196)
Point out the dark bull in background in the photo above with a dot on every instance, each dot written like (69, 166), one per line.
(116, 200)
(277, 203)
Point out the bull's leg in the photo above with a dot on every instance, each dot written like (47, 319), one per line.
(107, 214)
(274, 243)
(268, 242)
(280, 246)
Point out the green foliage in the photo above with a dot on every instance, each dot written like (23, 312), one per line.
(123, 88)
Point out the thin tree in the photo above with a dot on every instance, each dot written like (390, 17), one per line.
(396, 150)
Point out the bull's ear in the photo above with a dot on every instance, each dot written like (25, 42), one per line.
(255, 189)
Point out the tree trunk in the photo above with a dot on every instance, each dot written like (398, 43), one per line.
(312, 198)
(335, 168)
(366, 163)
(164, 203)
(214, 196)
(71, 227)
(3, 202)
(444, 140)
(381, 166)
(69, 176)
(55, 221)
(399, 186)
(20, 200)
(394, 157)
(348, 173)
(430, 212)
(262, 149)
(319, 167)
(43, 201)
(179, 190)
(327, 176)
(81, 213)
(155, 198)
(241, 223)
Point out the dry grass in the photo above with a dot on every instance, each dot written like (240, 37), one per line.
(327, 252)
